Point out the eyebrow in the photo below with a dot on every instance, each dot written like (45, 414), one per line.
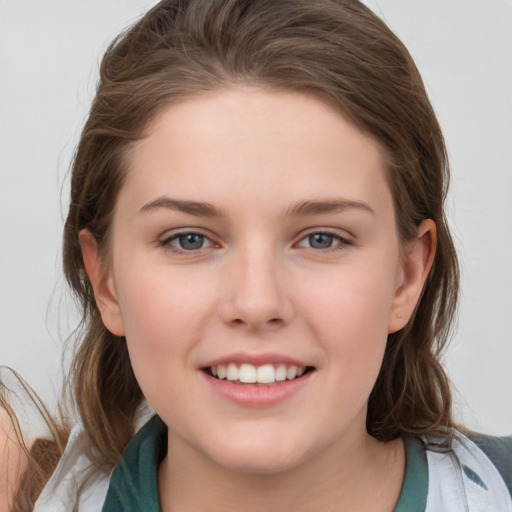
(197, 208)
(301, 208)
(328, 206)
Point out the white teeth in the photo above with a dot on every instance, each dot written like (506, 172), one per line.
(281, 373)
(247, 373)
(232, 371)
(291, 373)
(266, 374)
(250, 374)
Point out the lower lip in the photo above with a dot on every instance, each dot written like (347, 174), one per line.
(249, 395)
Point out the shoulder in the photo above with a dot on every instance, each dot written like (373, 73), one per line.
(499, 451)
(75, 484)
(462, 472)
(13, 459)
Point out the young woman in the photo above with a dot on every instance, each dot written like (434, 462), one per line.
(256, 233)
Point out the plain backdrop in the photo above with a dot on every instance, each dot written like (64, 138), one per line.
(49, 55)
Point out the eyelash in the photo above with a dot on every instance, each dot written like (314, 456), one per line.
(167, 243)
(341, 241)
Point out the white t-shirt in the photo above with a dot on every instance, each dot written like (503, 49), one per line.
(461, 480)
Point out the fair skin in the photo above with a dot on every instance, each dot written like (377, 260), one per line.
(13, 461)
(290, 260)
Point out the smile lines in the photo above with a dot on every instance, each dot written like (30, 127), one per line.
(250, 374)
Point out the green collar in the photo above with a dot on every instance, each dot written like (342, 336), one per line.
(133, 485)
(413, 497)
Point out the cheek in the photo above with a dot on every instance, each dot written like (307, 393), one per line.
(349, 316)
(163, 314)
(353, 302)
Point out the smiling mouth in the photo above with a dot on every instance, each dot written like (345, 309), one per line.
(266, 374)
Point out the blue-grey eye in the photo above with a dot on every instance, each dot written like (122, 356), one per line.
(191, 241)
(320, 240)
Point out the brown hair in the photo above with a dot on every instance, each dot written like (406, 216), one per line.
(36, 461)
(335, 49)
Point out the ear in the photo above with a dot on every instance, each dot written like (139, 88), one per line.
(102, 284)
(415, 267)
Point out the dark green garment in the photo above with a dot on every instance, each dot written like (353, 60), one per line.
(413, 497)
(133, 486)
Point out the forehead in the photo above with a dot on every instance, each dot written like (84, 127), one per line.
(255, 146)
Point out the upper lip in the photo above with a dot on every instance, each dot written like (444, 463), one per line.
(255, 360)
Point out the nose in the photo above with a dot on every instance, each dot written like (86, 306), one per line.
(255, 293)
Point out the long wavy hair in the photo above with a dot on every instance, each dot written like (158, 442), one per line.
(336, 50)
(32, 462)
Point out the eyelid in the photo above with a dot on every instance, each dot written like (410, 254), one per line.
(171, 235)
(344, 240)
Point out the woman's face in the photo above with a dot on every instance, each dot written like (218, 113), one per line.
(255, 237)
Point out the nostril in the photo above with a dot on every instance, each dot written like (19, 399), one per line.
(271, 322)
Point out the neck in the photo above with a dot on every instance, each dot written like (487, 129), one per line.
(368, 475)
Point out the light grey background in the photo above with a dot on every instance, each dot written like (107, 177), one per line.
(49, 55)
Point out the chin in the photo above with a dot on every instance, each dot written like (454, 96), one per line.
(249, 457)
(261, 465)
